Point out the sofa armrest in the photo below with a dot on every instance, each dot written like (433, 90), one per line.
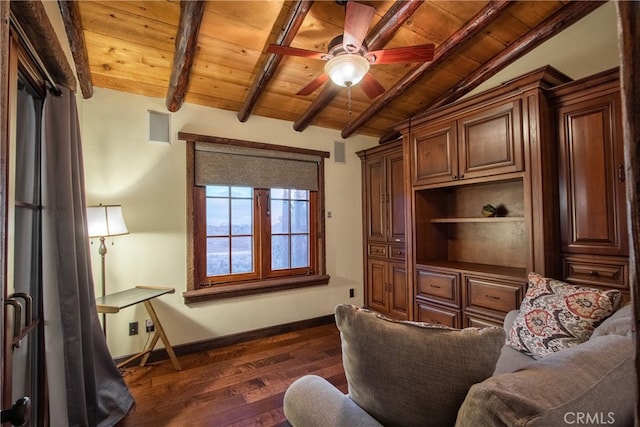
(312, 401)
(508, 320)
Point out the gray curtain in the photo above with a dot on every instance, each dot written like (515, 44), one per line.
(85, 387)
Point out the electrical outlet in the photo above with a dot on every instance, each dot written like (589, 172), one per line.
(149, 325)
(352, 293)
(133, 328)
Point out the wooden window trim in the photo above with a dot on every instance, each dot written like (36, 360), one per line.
(194, 293)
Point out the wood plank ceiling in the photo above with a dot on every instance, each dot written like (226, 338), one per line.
(213, 53)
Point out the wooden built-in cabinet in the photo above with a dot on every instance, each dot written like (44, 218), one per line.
(485, 142)
(383, 178)
(594, 235)
(495, 148)
(546, 152)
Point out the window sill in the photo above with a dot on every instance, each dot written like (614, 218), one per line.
(233, 290)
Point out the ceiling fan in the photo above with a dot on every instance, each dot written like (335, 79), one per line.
(348, 59)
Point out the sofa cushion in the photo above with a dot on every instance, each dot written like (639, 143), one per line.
(555, 315)
(410, 373)
(619, 323)
(590, 384)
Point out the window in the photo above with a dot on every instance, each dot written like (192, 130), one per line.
(257, 233)
(256, 222)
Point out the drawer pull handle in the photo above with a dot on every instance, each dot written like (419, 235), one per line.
(493, 297)
(434, 286)
(594, 273)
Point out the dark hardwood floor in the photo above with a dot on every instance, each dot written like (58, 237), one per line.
(238, 385)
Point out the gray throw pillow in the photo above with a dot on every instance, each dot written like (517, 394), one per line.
(409, 373)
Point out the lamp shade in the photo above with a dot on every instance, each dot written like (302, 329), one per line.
(106, 220)
(347, 70)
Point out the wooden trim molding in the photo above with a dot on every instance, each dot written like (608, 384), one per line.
(219, 342)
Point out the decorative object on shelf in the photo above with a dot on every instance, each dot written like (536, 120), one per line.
(105, 221)
(489, 211)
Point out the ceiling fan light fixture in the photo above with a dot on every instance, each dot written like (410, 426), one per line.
(347, 70)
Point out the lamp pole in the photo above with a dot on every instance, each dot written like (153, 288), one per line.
(102, 250)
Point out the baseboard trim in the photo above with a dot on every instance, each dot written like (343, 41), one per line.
(214, 343)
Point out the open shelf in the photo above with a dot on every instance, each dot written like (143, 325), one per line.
(451, 229)
(477, 219)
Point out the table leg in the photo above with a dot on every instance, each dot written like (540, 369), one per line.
(160, 334)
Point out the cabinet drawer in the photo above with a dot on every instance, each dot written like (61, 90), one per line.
(438, 315)
(489, 294)
(397, 252)
(378, 251)
(440, 286)
(597, 272)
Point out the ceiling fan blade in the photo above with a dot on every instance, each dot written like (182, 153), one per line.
(294, 51)
(419, 53)
(371, 87)
(356, 24)
(313, 85)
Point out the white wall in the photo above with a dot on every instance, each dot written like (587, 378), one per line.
(149, 180)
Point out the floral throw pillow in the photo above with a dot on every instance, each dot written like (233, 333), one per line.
(555, 315)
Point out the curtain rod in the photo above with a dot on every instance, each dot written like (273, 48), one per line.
(34, 55)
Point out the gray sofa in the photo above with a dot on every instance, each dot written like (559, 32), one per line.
(590, 384)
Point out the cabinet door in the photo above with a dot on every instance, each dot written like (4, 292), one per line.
(395, 200)
(376, 186)
(592, 193)
(490, 141)
(377, 280)
(435, 153)
(398, 295)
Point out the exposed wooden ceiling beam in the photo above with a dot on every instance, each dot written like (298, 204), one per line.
(73, 26)
(35, 23)
(474, 26)
(296, 16)
(569, 14)
(379, 36)
(186, 41)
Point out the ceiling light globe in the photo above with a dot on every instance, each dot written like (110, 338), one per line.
(347, 70)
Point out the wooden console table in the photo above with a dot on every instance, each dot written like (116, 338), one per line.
(113, 303)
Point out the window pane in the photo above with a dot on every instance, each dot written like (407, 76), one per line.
(242, 192)
(217, 256)
(279, 216)
(241, 216)
(300, 194)
(279, 252)
(241, 255)
(279, 193)
(229, 230)
(217, 217)
(300, 251)
(217, 191)
(299, 217)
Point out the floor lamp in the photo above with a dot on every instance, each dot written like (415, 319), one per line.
(105, 221)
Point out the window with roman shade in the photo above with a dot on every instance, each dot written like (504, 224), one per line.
(256, 219)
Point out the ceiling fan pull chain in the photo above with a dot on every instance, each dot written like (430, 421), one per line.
(349, 97)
